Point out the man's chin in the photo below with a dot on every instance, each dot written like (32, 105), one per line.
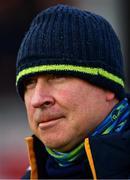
(55, 144)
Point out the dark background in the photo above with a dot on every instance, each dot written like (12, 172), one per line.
(15, 18)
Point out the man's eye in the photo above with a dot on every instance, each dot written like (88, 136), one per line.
(56, 77)
(29, 83)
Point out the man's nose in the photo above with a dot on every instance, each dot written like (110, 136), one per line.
(42, 97)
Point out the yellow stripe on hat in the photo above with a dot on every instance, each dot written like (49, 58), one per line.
(64, 67)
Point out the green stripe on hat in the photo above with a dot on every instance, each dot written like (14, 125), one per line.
(61, 67)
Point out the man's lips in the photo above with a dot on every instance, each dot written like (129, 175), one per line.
(49, 122)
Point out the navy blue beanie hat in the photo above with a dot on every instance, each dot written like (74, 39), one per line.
(67, 41)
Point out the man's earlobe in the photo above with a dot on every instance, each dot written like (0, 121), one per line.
(110, 95)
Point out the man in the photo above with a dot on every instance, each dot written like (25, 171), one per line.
(70, 76)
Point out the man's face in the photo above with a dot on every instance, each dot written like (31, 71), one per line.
(63, 110)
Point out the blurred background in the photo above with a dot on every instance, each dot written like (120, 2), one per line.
(15, 18)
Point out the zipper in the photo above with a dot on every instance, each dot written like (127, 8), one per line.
(90, 158)
(32, 159)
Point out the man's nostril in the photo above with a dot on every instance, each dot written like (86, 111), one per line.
(47, 103)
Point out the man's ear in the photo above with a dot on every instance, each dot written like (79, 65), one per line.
(110, 95)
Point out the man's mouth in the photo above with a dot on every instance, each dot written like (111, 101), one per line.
(49, 123)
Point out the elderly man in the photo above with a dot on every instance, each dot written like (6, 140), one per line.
(70, 77)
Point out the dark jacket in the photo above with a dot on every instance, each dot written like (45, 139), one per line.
(107, 157)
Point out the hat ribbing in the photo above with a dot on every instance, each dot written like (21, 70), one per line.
(66, 40)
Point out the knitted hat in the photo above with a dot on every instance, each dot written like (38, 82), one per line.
(65, 40)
